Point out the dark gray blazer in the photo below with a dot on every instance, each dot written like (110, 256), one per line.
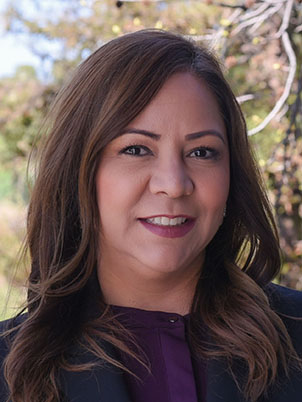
(107, 384)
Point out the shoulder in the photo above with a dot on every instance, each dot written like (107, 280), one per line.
(11, 323)
(5, 339)
(285, 300)
(7, 333)
(287, 303)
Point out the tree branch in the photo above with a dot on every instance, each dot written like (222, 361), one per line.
(258, 19)
(241, 6)
(290, 78)
(250, 14)
(245, 98)
(286, 17)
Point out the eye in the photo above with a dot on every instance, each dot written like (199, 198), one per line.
(136, 150)
(204, 153)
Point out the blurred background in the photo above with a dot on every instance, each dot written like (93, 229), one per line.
(258, 41)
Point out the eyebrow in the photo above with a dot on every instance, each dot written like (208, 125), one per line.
(188, 137)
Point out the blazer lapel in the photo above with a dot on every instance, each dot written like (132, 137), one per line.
(106, 384)
(101, 384)
(221, 387)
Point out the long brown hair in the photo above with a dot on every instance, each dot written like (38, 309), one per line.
(106, 92)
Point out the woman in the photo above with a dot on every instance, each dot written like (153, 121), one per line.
(152, 243)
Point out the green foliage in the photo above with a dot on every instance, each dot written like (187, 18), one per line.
(5, 184)
(12, 232)
(21, 112)
(11, 298)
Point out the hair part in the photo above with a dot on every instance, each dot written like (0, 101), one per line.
(106, 92)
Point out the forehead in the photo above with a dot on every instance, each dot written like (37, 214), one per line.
(184, 104)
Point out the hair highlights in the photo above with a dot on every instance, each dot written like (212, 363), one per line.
(104, 95)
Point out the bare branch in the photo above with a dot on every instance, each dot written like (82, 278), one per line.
(245, 98)
(286, 17)
(241, 6)
(282, 112)
(297, 104)
(290, 78)
(274, 1)
(298, 28)
(216, 36)
(250, 14)
(258, 19)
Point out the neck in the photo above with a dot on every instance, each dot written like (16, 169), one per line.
(169, 292)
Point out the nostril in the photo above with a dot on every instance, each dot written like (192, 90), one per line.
(171, 185)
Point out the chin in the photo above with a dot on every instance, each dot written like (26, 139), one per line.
(165, 265)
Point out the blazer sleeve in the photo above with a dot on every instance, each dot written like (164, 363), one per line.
(5, 341)
(4, 348)
(287, 303)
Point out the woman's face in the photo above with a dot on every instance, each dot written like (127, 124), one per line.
(162, 186)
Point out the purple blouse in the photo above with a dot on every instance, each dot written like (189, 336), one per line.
(176, 376)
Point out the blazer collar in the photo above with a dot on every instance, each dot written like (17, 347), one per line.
(221, 386)
(106, 383)
(101, 385)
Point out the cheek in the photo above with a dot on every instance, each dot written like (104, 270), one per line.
(213, 188)
(109, 205)
(106, 188)
(117, 191)
(221, 185)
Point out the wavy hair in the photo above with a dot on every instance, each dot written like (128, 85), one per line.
(106, 92)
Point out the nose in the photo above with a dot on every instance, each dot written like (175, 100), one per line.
(171, 178)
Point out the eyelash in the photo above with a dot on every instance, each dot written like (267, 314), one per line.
(123, 151)
(214, 152)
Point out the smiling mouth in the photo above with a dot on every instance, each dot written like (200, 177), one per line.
(168, 220)
(168, 226)
(165, 221)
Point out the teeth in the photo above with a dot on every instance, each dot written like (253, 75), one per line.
(164, 221)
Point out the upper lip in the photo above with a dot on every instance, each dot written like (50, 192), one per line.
(168, 216)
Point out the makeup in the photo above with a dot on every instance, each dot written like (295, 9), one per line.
(169, 231)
